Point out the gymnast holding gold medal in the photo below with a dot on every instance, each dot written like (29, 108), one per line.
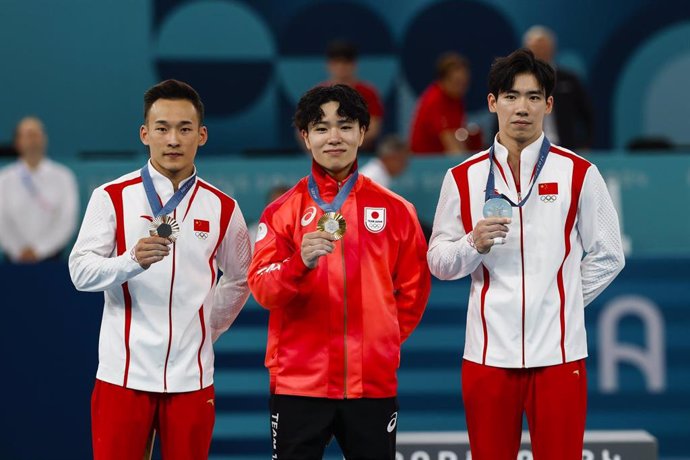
(340, 263)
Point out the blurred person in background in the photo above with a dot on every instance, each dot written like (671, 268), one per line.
(439, 122)
(571, 123)
(392, 158)
(39, 199)
(391, 161)
(341, 63)
(534, 226)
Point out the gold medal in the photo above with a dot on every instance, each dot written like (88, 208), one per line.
(166, 227)
(333, 223)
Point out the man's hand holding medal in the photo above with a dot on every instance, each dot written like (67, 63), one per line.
(164, 228)
(150, 250)
(331, 227)
(498, 208)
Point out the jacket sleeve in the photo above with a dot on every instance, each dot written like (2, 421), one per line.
(232, 291)
(277, 273)
(412, 280)
(450, 256)
(601, 238)
(93, 263)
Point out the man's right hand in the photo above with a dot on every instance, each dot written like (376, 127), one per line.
(150, 250)
(487, 230)
(315, 245)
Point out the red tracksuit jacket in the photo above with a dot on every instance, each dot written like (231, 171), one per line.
(335, 331)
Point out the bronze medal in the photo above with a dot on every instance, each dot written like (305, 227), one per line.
(165, 227)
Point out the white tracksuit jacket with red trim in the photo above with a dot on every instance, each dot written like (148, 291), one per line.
(527, 297)
(159, 324)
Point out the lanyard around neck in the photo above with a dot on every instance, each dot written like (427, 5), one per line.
(339, 199)
(156, 207)
(491, 180)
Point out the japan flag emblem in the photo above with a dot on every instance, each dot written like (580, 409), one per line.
(375, 219)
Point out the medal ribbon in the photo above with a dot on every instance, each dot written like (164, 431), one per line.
(339, 199)
(152, 196)
(491, 180)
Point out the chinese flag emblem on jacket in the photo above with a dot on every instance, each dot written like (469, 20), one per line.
(201, 225)
(548, 188)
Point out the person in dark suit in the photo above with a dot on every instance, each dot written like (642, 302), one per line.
(572, 122)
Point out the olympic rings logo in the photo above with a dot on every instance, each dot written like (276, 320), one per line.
(548, 198)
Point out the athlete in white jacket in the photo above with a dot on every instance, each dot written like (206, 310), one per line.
(164, 304)
(525, 341)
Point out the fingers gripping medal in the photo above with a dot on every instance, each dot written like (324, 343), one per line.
(333, 223)
(166, 227)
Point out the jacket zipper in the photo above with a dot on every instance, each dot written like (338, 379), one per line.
(342, 253)
(342, 247)
(522, 261)
(170, 300)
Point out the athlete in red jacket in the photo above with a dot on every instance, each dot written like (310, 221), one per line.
(340, 263)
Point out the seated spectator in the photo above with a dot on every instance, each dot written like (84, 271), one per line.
(342, 69)
(392, 158)
(439, 119)
(38, 200)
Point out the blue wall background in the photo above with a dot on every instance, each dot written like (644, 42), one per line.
(649, 191)
(83, 66)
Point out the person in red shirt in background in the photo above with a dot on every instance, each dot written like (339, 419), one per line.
(340, 263)
(341, 62)
(439, 122)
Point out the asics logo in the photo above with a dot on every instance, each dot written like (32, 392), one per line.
(393, 422)
(308, 216)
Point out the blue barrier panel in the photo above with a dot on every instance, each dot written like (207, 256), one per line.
(650, 191)
(639, 376)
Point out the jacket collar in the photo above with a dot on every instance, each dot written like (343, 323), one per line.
(163, 185)
(528, 156)
(329, 187)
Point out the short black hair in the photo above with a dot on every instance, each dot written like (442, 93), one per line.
(505, 69)
(352, 105)
(173, 90)
(341, 49)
